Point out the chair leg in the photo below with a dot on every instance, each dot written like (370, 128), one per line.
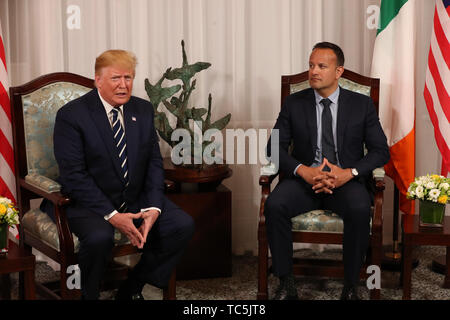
(376, 254)
(263, 258)
(170, 293)
(5, 287)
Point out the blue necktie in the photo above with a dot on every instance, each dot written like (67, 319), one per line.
(120, 141)
(327, 132)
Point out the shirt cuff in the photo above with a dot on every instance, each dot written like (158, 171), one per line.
(109, 216)
(151, 208)
(295, 171)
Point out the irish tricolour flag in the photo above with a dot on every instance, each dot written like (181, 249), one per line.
(394, 63)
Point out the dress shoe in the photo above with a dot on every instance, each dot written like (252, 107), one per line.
(137, 296)
(286, 289)
(350, 293)
(121, 295)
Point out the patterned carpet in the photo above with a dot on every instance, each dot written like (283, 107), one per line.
(426, 284)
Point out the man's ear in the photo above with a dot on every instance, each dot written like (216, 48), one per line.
(96, 80)
(339, 71)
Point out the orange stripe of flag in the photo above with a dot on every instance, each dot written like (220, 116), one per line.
(401, 168)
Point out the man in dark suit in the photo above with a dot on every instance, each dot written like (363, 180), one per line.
(110, 165)
(327, 168)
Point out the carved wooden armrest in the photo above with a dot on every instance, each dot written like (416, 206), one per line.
(56, 197)
(59, 201)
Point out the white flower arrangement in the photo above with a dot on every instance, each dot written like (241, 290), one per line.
(8, 212)
(432, 188)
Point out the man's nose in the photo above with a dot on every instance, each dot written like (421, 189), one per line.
(122, 83)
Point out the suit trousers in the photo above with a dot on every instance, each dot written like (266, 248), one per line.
(293, 196)
(165, 245)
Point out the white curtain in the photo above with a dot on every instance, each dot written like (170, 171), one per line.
(250, 44)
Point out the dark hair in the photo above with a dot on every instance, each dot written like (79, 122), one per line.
(337, 51)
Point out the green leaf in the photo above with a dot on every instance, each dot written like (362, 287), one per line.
(222, 123)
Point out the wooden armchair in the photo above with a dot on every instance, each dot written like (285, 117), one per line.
(34, 106)
(320, 226)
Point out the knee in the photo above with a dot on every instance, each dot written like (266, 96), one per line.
(358, 212)
(278, 216)
(273, 208)
(99, 241)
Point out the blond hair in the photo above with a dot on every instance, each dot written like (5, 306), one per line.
(122, 58)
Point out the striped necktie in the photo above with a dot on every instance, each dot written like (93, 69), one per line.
(120, 141)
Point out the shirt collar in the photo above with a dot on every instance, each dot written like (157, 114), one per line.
(107, 106)
(333, 97)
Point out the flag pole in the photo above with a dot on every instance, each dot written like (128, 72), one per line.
(392, 253)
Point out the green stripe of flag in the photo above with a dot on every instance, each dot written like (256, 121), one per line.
(388, 11)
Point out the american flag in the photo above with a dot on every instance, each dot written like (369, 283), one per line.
(7, 180)
(437, 81)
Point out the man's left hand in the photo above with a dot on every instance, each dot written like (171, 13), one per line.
(342, 176)
(333, 179)
(149, 218)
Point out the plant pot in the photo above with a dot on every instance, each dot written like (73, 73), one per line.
(206, 178)
(4, 231)
(431, 213)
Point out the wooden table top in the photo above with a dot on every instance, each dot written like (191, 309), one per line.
(16, 259)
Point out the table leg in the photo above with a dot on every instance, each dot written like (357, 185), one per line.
(407, 257)
(30, 292)
(447, 273)
(5, 282)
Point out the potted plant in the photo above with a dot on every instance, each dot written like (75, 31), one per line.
(9, 216)
(433, 192)
(195, 122)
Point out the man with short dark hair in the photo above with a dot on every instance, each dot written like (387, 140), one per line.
(110, 165)
(327, 169)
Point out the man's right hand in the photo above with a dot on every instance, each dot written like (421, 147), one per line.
(124, 222)
(321, 181)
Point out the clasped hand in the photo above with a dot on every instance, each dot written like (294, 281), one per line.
(325, 181)
(137, 236)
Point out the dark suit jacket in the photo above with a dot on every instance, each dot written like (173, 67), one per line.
(88, 160)
(357, 125)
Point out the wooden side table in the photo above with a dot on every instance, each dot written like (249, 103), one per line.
(18, 260)
(201, 194)
(208, 254)
(414, 235)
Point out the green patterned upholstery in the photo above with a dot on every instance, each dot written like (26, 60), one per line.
(318, 221)
(43, 183)
(324, 220)
(39, 112)
(40, 225)
(344, 83)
